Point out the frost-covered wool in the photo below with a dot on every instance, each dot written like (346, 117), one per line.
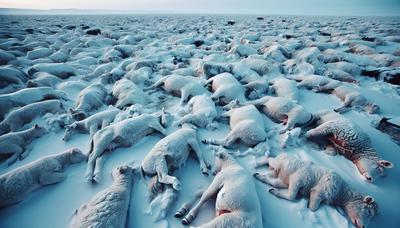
(91, 124)
(285, 88)
(88, 100)
(28, 96)
(108, 208)
(350, 141)
(17, 118)
(61, 70)
(17, 184)
(15, 143)
(310, 81)
(284, 110)
(340, 75)
(121, 134)
(226, 88)
(127, 93)
(200, 111)
(237, 203)
(247, 126)
(43, 79)
(320, 184)
(171, 153)
(183, 86)
(350, 97)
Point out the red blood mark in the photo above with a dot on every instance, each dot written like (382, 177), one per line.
(221, 212)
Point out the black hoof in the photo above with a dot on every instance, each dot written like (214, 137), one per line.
(185, 222)
(180, 213)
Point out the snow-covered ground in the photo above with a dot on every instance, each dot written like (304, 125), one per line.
(181, 44)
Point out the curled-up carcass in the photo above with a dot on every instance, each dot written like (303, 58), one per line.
(318, 183)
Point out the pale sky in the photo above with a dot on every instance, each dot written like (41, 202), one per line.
(300, 7)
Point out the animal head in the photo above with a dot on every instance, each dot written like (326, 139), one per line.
(165, 118)
(123, 171)
(76, 156)
(370, 169)
(77, 115)
(362, 211)
(69, 130)
(372, 108)
(38, 130)
(222, 159)
(31, 84)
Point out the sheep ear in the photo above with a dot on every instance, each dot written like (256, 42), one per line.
(385, 164)
(368, 199)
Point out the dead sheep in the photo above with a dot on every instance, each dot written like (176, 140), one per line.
(88, 100)
(350, 97)
(43, 79)
(14, 144)
(128, 93)
(285, 111)
(210, 69)
(285, 88)
(226, 88)
(121, 134)
(17, 184)
(61, 70)
(11, 79)
(183, 86)
(320, 184)
(108, 208)
(247, 126)
(340, 76)
(236, 200)
(28, 96)
(295, 67)
(91, 124)
(16, 119)
(310, 81)
(349, 140)
(171, 153)
(200, 111)
(351, 68)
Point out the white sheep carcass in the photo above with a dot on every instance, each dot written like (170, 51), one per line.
(320, 184)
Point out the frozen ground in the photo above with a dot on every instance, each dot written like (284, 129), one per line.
(169, 42)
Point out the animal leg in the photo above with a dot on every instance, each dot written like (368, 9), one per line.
(322, 130)
(164, 177)
(262, 162)
(211, 192)
(17, 151)
(275, 182)
(291, 193)
(157, 126)
(99, 166)
(90, 167)
(25, 154)
(315, 200)
(187, 205)
(199, 154)
(51, 178)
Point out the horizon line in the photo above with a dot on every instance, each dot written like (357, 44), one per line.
(37, 11)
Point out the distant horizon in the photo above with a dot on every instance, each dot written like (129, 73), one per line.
(249, 7)
(70, 11)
